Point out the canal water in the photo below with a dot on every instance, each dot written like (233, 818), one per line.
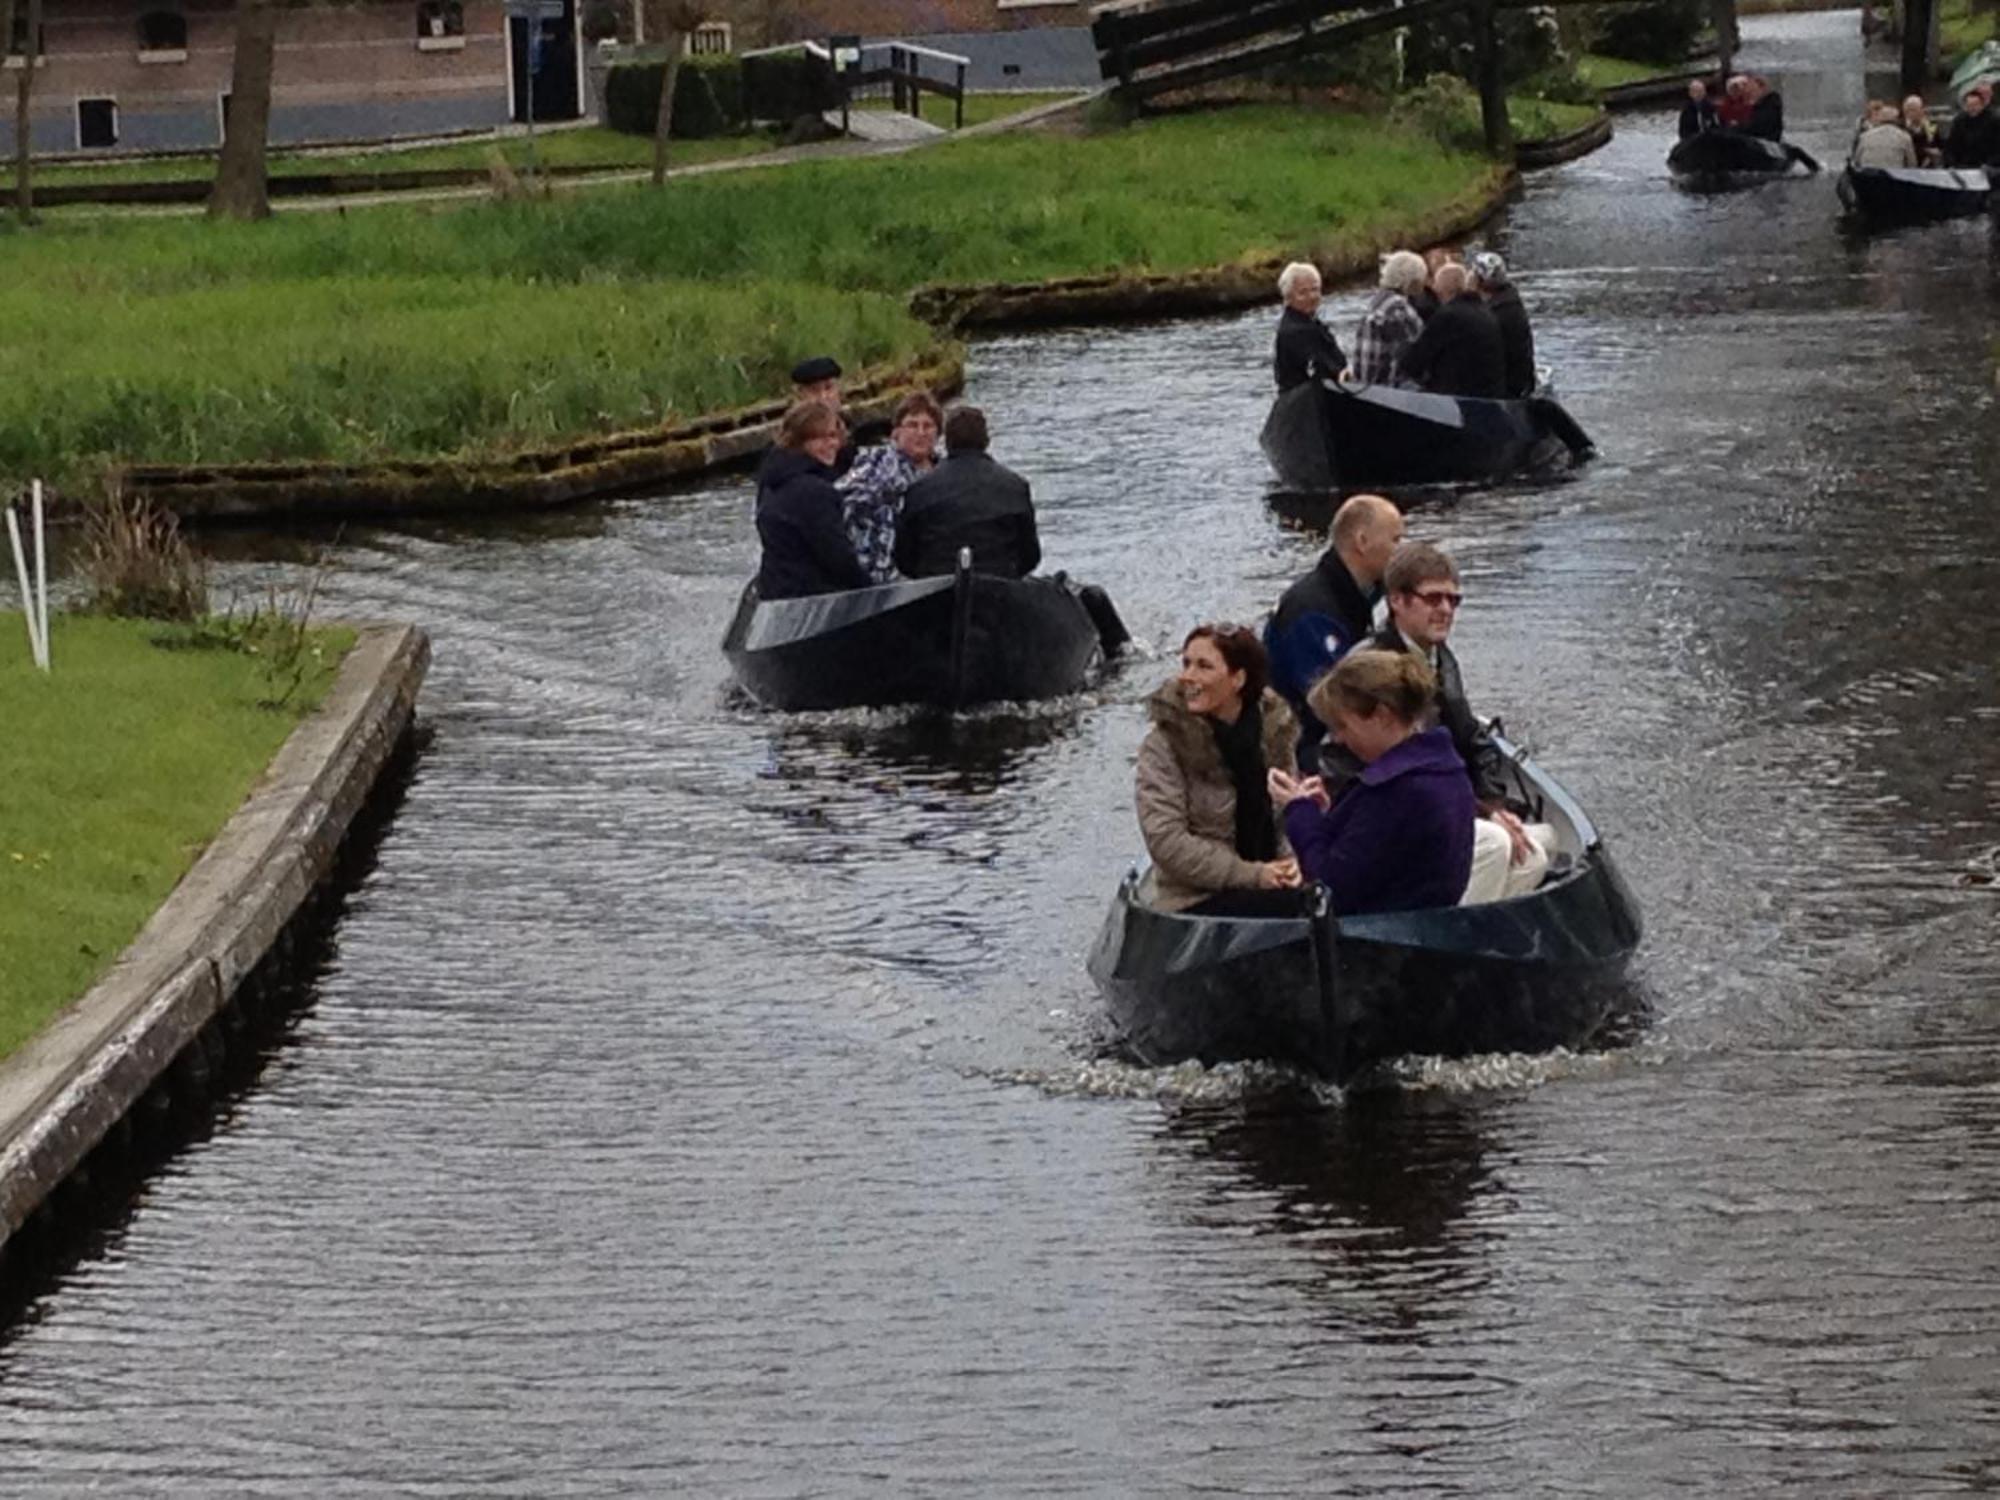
(697, 1100)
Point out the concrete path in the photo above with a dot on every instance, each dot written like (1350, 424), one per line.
(884, 125)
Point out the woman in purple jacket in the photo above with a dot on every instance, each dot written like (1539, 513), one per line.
(1400, 838)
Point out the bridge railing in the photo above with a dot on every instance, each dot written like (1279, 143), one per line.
(898, 71)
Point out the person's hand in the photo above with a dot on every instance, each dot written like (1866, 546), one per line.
(1315, 788)
(1284, 787)
(1278, 875)
(1523, 847)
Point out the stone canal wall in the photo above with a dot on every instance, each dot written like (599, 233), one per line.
(78, 1082)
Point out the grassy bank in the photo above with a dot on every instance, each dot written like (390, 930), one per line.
(1540, 119)
(118, 770)
(1602, 72)
(412, 332)
(1961, 28)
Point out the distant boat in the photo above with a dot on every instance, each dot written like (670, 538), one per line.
(1333, 994)
(949, 642)
(1323, 435)
(1914, 195)
(1725, 158)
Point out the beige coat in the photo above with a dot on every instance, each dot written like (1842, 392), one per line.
(1187, 805)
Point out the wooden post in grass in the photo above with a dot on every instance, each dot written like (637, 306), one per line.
(1492, 87)
(1920, 29)
(242, 188)
(24, 89)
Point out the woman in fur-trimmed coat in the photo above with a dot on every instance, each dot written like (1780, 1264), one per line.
(1204, 800)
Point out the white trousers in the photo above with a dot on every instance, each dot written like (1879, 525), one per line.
(1493, 877)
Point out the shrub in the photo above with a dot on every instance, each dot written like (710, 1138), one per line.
(1530, 43)
(708, 98)
(1661, 31)
(1445, 108)
(784, 85)
(137, 565)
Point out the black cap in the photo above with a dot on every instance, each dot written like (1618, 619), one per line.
(819, 367)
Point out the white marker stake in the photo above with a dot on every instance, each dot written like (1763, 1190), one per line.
(41, 576)
(27, 594)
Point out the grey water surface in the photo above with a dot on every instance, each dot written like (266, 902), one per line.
(698, 1100)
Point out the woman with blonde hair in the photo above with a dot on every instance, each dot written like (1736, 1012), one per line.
(1400, 838)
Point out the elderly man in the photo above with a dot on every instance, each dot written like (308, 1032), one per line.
(1323, 615)
(1460, 353)
(818, 379)
(1517, 338)
(969, 500)
(1422, 586)
(1883, 143)
(1698, 114)
(1307, 349)
(1390, 325)
(1974, 137)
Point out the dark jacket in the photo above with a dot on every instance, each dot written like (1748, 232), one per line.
(1517, 340)
(1400, 839)
(1307, 350)
(1317, 622)
(1767, 117)
(1973, 140)
(806, 550)
(1425, 301)
(1187, 803)
(968, 501)
(1697, 117)
(1460, 353)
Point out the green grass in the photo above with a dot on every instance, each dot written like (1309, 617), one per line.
(1539, 119)
(405, 331)
(593, 146)
(119, 768)
(1961, 29)
(1602, 72)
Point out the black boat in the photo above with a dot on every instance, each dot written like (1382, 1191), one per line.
(950, 642)
(1334, 994)
(1323, 435)
(1913, 195)
(1731, 158)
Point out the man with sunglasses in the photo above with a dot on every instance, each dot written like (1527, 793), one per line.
(1422, 586)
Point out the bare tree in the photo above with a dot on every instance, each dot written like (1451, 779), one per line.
(31, 51)
(241, 188)
(678, 21)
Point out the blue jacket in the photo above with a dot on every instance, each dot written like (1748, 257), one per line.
(806, 548)
(1318, 621)
(1400, 838)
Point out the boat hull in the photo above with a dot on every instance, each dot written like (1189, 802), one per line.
(1896, 195)
(1019, 639)
(1325, 436)
(1718, 159)
(1334, 995)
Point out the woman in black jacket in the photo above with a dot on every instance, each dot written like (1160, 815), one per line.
(806, 548)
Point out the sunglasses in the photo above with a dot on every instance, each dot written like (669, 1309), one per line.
(1434, 598)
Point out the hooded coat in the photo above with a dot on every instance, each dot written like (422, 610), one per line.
(805, 544)
(1187, 802)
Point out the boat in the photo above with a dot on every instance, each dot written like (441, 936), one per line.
(950, 642)
(1914, 195)
(1323, 435)
(1981, 65)
(1333, 995)
(1717, 159)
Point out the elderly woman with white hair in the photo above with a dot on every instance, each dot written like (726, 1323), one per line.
(1390, 325)
(1307, 349)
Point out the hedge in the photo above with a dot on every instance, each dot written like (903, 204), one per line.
(709, 99)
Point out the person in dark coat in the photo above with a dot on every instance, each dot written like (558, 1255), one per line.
(1974, 137)
(805, 545)
(1306, 348)
(969, 500)
(1330, 610)
(1767, 111)
(1517, 338)
(1400, 838)
(1460, 352)
(1698, 114)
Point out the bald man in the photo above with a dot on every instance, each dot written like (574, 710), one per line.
(1331, 609)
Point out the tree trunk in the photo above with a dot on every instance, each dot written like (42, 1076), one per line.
(241, 189)
(664, 125)
(24, 91)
